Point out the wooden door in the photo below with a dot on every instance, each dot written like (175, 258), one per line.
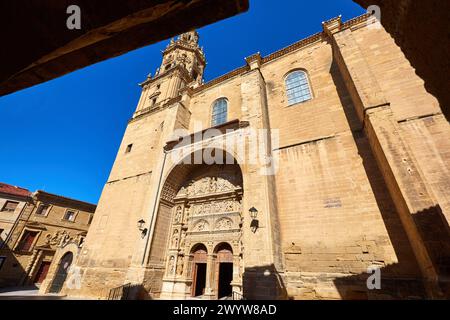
(42, 272)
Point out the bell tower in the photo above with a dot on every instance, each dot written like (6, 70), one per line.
(186, 53)
(182, 65)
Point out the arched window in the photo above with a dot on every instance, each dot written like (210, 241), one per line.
(297, 87)
(219, 112)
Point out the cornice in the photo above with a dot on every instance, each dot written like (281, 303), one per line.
(293, 47)
(55, 199)
(220, 79)
(355, 21)
(224, 128)
(150, 110)
(317, 37)
(35, 225)
(157, 93)
(188, 90)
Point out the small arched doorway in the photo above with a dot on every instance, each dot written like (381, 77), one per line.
(224, 269)
(199, 261)
(61, 273)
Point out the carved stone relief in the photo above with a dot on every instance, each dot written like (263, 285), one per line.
(167, 192)
(224, 224)
(206, 210)
(208, 185)
(220, 206)
(201, 225)
(60, 238)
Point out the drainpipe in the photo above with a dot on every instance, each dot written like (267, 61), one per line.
(150, 234)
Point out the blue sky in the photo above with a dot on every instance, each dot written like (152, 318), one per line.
(62, 136)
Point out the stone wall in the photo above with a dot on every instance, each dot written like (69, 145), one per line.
(420, 29)
(360, 167)
(21, 267)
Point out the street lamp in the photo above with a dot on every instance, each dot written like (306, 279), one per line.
(141, 228)
(253, 212)
(254, 224)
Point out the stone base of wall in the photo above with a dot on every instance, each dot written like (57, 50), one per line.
(153, 281)
(337, 286)
(263, 283)
(97, 282)
(175, 289)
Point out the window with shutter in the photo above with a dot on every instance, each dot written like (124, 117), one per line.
(27, 241)
(10, 206)
(42, 210)
(70, 215)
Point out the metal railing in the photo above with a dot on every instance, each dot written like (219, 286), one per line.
(120, 293)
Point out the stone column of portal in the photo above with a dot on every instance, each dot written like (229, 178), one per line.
(209, 289)
(261, 248)
(403, 177)
(236, 283)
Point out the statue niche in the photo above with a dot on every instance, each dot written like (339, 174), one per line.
(178, 214)
(171, 266)
(180, 265)
(175, 239)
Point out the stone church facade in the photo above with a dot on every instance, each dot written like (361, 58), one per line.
(361, 178)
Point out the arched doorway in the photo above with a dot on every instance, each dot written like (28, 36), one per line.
(224, 269)
(61, 273)
(199, 204)
(199, 260)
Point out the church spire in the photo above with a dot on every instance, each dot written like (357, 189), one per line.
(186, 53)
(182, 66)
(190, 38)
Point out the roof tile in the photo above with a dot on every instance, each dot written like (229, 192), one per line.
(13, 190)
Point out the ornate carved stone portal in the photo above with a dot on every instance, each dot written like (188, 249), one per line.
(204, 251)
